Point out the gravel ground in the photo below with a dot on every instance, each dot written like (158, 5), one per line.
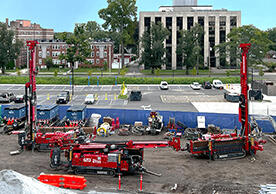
(191, 174)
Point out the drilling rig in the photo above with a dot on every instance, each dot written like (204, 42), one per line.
(239, 144)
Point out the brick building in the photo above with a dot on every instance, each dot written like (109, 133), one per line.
(24, 30)
(101, 52)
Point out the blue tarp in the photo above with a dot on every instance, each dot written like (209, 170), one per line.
(224, 121)
(266, 126)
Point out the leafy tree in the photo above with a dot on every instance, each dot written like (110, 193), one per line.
(272, 37)
(9, 48)
(63, 36)
(49, 62)
(120, 16)
(189, 48)
(153, 47)
(78, 50)
(246, 34)
(95, 31)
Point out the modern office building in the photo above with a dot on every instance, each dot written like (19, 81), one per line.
(183, 15)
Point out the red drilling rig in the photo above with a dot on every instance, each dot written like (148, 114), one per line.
(235, 145)
(32, 137)
(110, 158)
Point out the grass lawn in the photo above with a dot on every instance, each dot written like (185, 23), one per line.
(80, 70)
(183, 72)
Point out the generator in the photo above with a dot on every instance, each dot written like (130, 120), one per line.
(155, 123)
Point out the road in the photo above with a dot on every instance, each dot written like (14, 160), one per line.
(107, 96)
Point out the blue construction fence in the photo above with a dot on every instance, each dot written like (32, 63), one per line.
(126, 116)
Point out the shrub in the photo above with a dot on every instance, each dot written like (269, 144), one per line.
(18, 71)
(157, 72)
(120, 80)
(194, 71)
(227, 73)
(56, 73)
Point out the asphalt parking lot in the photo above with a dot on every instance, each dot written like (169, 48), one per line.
(178, 97)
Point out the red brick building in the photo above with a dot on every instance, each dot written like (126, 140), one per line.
(24, 30)
(101, 53)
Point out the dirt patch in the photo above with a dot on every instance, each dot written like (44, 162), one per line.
(192, 175)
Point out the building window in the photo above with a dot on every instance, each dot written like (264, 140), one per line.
(105, 47)
(98, 53)
(97, 47)
(92, 47)
(40, 61)
(48, 53)
(92, 54)
(97, 61)
(105, 54)
(92, 61)
(53, 54)
(40, 54)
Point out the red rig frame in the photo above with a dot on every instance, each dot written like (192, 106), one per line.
(233, 145)
(110, 158)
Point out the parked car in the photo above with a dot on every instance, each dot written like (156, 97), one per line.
(135, 96)
(217, 84)
(19, 99)
(164, 85)
(89, 99)
(7, 97)
(207, 85)
(195, 86)
(63, 97)
(232, 97)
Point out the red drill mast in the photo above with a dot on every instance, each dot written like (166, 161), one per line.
(31, 93)
(243, 108)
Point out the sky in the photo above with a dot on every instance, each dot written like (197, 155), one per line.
(61, 15)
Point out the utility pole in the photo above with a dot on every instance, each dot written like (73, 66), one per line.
(72, 70)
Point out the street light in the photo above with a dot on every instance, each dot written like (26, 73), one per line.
(209, 59)
(72, 70)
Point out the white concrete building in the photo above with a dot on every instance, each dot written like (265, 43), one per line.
(182, 16)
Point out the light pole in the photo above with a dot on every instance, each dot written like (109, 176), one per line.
(209, 59)
(72, 70)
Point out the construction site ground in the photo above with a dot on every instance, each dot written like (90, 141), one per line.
(191, 174)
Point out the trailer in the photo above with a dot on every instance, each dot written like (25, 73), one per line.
(14, 118)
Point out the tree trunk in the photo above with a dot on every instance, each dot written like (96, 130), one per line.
(187, 68)
(123, 55)
(197, 64)
(3, 69)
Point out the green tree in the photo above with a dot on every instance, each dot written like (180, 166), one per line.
(78, 50)
(9, 48)
(188, 47)
(153, 47)
(63, 36)
(120, 16)
(246, 34)
(94, 31)
(49, 62)
(272, 38)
